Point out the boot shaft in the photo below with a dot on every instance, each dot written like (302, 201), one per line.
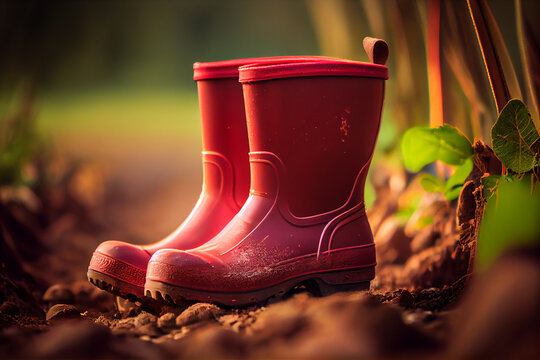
(312, 128)
(320, 126)
(224, 131)
(223, 118)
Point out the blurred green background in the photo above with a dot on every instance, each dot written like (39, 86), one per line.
(126, 66)
(111, 84)
(111, 81)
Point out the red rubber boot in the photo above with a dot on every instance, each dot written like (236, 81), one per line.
(120, 267)
(312, 129)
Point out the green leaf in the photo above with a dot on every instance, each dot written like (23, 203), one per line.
(454, 184)
(419, 147)
(510, 221)
(422, 145)
(492, 182)
(514, 136)
(431, 184)
(490, 185)
(455, 148)
(453, 193)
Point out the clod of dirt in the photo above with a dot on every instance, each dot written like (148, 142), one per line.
(119, 326)
(167, 321)
(435, 266)
(426, 299)
(143, 324)
(283, 319)
(146, 324)
(213, 341)
(239, 321)
(59, 294)
(104, 320)
(198, 312)
(339, 326)
(62, 311)
(368, 329)
(145, 318)
(403, 298)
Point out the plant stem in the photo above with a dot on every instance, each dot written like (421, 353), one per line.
(496, 58)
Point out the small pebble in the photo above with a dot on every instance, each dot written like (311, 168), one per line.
(417, 317)
(145, 318)
(124, 325)
(62, 311)
(167, 321)
(229, 320)
(198, 312)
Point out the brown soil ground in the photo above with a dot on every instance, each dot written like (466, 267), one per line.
(423, 303)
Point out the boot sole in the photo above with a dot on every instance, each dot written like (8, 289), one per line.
(116, 287)
(319, 284)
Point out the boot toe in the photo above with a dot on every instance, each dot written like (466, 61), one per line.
(181, 268)
(121, 261)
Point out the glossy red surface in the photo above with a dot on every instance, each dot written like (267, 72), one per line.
(226, 174)
(311, 141)
(229, 68)
(322, 67)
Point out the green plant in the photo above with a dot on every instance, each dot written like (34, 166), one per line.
(422, 145)
(515, 139)
(516, 143)
(511, 215)
(513, 206)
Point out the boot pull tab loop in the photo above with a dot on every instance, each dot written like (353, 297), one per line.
(376, 49)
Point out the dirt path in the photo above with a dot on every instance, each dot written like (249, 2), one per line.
(421, 304)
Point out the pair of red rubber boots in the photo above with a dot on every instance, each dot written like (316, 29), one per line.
(287, 143)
